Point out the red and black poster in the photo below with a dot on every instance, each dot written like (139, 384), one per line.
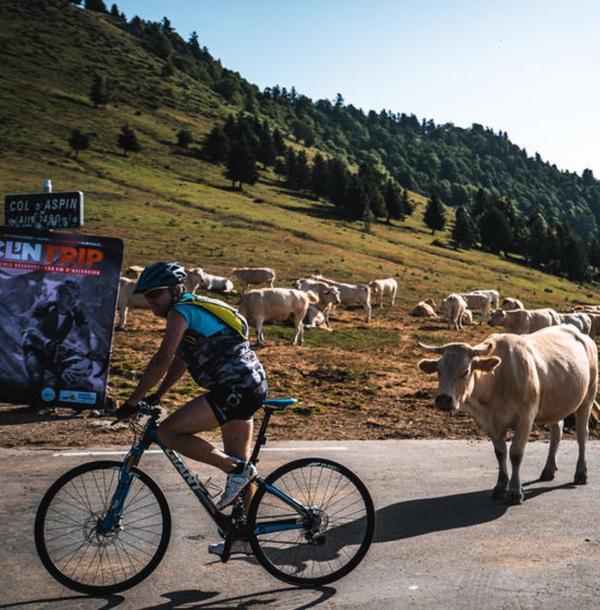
(58, 294)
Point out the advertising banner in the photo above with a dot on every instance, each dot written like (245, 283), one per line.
(58, 294)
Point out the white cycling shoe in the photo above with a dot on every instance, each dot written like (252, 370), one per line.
(238, 547)
(236, 483)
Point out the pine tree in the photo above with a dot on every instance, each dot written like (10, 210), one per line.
(216, 146)
(464, 231)
(536, 250)
(393, 202)
(184, 138)
(241, 164)
(95, 5)
(338, 182)
(128, 141)
(278, 143)
(114, 11)
(98, 92)
(407, 207)
(435, 214)
(78, 141)
(575, 261)
(495, 231)
(266, 150)
(318, 178)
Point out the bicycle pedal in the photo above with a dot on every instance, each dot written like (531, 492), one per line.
(213, 489)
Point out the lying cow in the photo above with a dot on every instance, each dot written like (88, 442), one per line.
(581, 321)
(352, 294)
(383, 288)
(216, 283)
(318, 313)
(264, 304)
(323, 291)
(253, 275)
(467, 317)
(454, 307)
(510, 304)
(523, 321)
(510, 382)
(424, 309)
(479, 302)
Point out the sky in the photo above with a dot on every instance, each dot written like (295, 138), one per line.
(527, 67)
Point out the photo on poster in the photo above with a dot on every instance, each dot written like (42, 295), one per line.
(58, 295)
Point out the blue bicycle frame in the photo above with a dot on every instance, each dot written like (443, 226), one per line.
(229, 525)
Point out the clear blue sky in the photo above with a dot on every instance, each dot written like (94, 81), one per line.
(528, 67)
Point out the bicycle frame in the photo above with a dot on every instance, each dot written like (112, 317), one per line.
(233, 525)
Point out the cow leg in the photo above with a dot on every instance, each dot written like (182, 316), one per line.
(299, 336)
(393, 298)
(381, 300)
(501, 488)
(582, 417)
(550, 468)
(122, 318)
(517, 450)
(260, 339)
(368, 312)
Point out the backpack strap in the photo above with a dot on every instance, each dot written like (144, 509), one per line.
(224, 312)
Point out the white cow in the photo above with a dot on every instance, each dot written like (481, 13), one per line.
(253, 275)
(494, 296)
(424, 309)
(318, 314)
(352, 294)
(384, 287)
(127, 299)
(510, 382)
(216, 283)
(581, 321)
(454, 306)
(480, 302)
(261, 305)
(523, 321)
(509, 304)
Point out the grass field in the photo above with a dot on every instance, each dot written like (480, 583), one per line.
(358, 381)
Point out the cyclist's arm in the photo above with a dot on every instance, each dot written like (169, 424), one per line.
(162, 360)
(176, 370)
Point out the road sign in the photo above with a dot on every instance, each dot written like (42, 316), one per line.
(59, 210)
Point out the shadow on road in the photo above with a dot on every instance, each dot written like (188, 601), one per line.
(292, 598)
(112, 601)
(427, 515)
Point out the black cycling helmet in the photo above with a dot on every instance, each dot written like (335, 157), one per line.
(160, 275)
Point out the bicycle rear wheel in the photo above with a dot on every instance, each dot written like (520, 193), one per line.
(72, 546)
(329, 545)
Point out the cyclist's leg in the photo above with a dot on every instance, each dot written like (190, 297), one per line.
(237, 441)
(178, 432)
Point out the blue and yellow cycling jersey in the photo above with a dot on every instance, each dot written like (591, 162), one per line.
(198, 319)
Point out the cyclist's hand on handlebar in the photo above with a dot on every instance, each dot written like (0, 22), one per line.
(152, 400)
(125, 411)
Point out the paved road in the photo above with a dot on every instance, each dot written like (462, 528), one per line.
(440, 541)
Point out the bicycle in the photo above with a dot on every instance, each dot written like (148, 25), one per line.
(104, 526)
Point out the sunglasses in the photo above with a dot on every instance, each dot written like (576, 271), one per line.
(153, 294)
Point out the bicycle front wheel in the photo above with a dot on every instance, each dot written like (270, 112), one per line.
(327, 546)
(72, 545)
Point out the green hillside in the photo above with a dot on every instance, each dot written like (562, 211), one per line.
(165, 202)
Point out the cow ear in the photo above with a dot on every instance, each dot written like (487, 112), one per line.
(428, 366)
(486, 364)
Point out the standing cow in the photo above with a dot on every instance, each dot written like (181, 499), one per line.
(253, 275)
(384, 287)
(510, 382)
(454, 306)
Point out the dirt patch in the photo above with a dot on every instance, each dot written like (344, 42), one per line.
(358, 382)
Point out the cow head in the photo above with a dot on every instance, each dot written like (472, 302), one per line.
(332, 295)
(497, 318)
(455, 371)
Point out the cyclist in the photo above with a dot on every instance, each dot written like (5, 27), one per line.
(209, 339)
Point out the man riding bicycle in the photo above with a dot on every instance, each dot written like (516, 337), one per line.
(209, 339)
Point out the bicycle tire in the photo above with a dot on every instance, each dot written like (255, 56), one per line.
(357, 532)
(85, 506)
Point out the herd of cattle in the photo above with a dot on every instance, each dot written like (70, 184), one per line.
(545, 366)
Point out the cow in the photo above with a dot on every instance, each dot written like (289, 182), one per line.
(467, 317)
(253, 275)
(493, 295)
(261, 305)
(318, 314)
(480, 302)
(595, 320)
(133, 272)
(581, 321)
(384, 287)
(127, 299)
(454, 306)
(510, 382)
(509, 304)
(424, 309)
(216, 283)
(523, 321)
(351, 294)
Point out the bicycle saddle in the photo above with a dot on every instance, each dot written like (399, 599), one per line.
(279, 403)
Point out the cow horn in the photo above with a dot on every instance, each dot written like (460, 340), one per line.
(431, 348)
(484, 350)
